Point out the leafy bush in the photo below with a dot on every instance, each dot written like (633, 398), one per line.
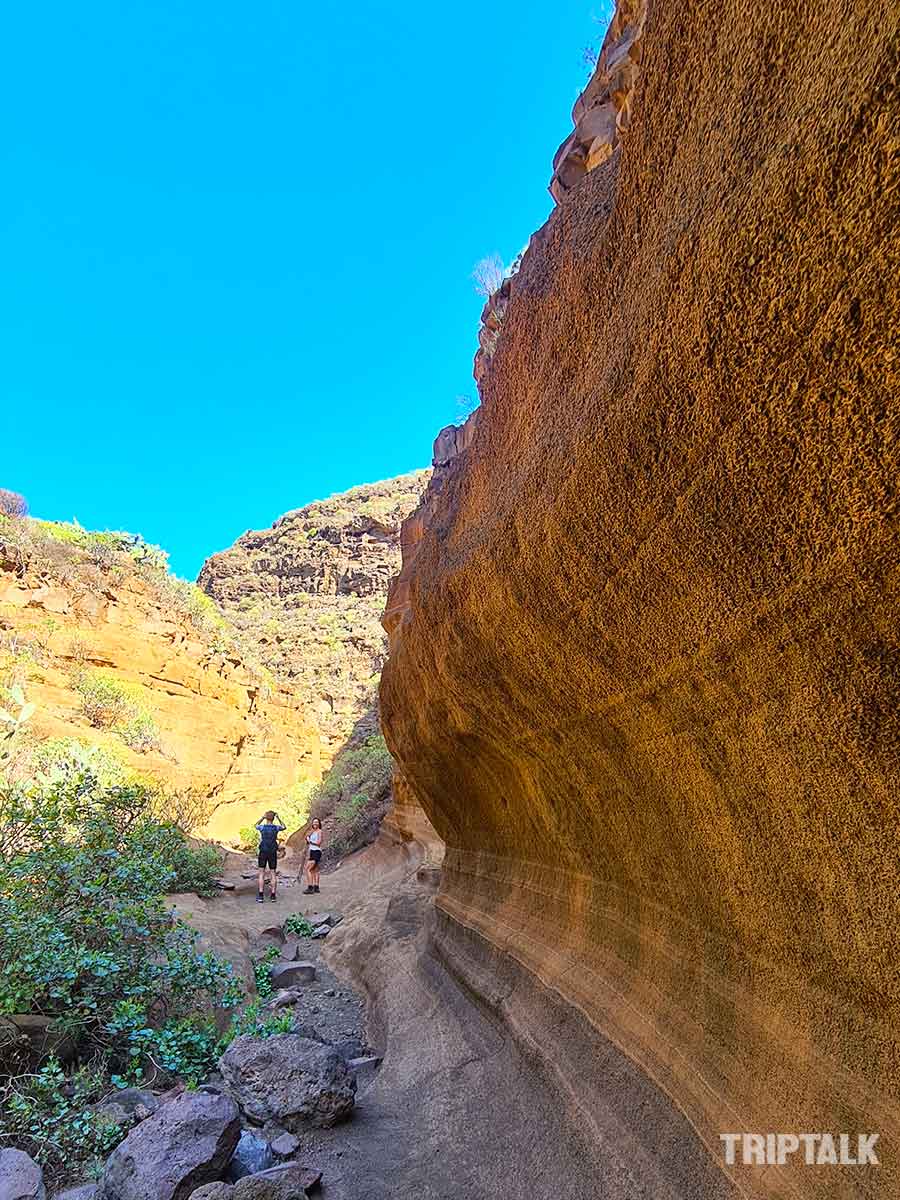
(139, 732)
(298, 926)
(110, 703)
(83, 924)
(262, 972)
(105, 700)
(250, 1022)
(48, 1115)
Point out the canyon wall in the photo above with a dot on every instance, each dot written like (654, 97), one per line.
(223, 730)
(309, 591)
(645, 663)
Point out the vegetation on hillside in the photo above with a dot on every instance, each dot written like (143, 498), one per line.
(309, 593)
(90, 562)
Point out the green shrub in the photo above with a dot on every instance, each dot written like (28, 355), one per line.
(139, 732)
(83, 923)
(110, 703)
(355, 795)
(262, 972)
(298, 926)
(48, 1114)
(105, 700)
(249, 1022)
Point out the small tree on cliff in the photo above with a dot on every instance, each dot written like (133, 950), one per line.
(12, 504)
(488, 275)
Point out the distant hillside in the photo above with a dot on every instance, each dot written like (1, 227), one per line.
(116, 653)
(309, 593)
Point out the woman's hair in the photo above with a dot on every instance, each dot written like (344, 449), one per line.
(270, 815)
(316, 822)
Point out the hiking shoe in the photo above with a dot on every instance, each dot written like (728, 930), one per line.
(308, 891)
(259, 897)
(316, 888)
(273, 897)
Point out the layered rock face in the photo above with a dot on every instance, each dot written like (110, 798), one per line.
(224, 731)
(311, 590)
(644, 648)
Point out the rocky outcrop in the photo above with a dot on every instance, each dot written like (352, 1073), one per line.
(603, 111)
(187, 1143)
(225, 731)
(643, 673)
(310, 592)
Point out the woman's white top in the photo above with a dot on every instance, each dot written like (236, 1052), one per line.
(315, 838)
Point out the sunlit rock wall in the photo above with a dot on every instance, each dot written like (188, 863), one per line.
(645, 648)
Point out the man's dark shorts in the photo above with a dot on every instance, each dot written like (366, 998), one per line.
(267, 858)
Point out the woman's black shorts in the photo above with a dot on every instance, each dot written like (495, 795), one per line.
(314, 856)
(268, 858)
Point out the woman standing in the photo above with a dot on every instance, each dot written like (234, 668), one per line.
(314, 843)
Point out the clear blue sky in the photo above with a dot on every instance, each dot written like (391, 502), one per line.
(237, 242)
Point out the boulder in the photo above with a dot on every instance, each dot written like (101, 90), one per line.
(288, 1181)
(187, 1142)
(128, 1106)
(321, 931)
(20, 1177)
(325, 918)
(284, 1145)
(290, 949)
(365, 1067)
(84, 1191)
(284, 998)
(252, 1155)
(350, 1048)
(289, 974)
(291, 1080)
(214, 1191)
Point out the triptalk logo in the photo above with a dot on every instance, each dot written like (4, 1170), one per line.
(812, 1149)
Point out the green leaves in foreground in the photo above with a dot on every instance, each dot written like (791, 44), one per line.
(83, 920)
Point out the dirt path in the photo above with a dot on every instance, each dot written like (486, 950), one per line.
(457, 1107)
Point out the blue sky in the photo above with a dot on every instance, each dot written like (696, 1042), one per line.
(237, 243)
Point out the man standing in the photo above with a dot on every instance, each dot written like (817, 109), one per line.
(269, 828)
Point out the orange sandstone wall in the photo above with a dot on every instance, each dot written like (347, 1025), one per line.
(222, 732)
(645, 648)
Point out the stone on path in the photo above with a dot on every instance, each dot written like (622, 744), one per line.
(284, 998)
(252, 1155)
(20, 1177)
(84, 1191)
(214, 1191)
(288, 974)
(288, 1181)
(290, 1080)
(187, 1142)
(284, 1145)
(325, 918)
(321, 931)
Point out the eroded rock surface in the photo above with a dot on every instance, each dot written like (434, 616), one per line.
(643, 674)
(310, 590)
(186, 1143)
(290, 1080)
(20, 1177)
